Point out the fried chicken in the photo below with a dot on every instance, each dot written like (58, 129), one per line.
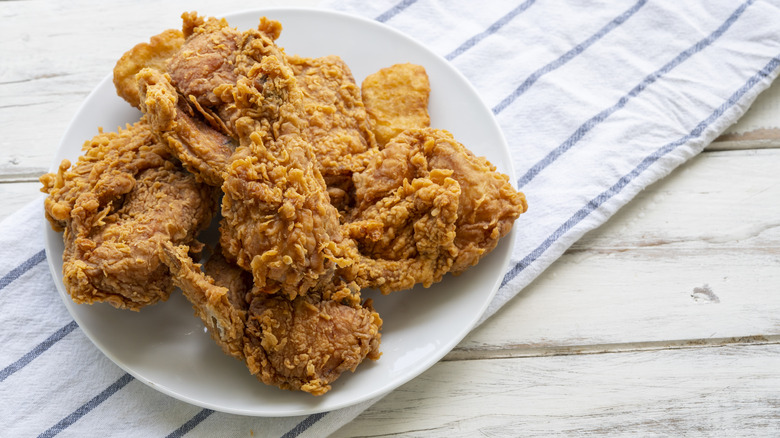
(407, 236)
(184, 81)
(277, 218)
(326, 188)
(204, 151)
(237, 281)
(396, 99)
(338, 127)
(203, 69)
(188, 101)
(155, 54)
(301, 344)
(115, 205)
(427, 206)
(308, 342)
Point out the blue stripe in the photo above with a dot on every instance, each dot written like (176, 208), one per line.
(303, 425)
(87, 407)
(650, 79)
(490, 30)
(188, 426)
(21, 269)
(568, 56)
(599, 200)
(395, 10)
(37, 351)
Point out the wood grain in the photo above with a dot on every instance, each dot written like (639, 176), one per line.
(711, 391)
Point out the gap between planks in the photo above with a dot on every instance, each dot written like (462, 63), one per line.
(20, 178)
(529, 350)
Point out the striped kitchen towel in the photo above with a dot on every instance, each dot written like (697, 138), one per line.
(597, 100)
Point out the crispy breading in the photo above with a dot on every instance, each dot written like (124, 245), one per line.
(396, 99)
(301, 344)
(204, 150)
(115, 205)
(154, 54)
(202, 71)
(338, 126)
(307, 343)
(277, 218)
(427, 206)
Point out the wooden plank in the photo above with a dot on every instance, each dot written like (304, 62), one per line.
(711, 391)
(695, 256)
(758, 128)
(715, 200)
(761, 138)
(636, 297)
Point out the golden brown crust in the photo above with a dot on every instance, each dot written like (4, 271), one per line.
(211, 300)
(307, 343)
(154, 54)
(301, 344)
(338, 126)
(204, 151)
(116, 204)
(396, 99)
(427, 206)
(277, 218)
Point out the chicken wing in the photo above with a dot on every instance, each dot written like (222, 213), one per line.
(184, 81)
(204, 150)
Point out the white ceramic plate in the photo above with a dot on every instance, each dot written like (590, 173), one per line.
(166, 347)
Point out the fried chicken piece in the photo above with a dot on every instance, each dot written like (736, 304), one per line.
(122, 198)
(396, 99)
(223, 311)
(338, 127)
(204, 151)
(277, 218)
(237, 281)
(427, 206)
(186, 89)
(407, 237)
(302, 344)
(307, 343)
(189, 103)
(154, 54)
(202, 71)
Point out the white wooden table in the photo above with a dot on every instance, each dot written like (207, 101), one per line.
(665, 321)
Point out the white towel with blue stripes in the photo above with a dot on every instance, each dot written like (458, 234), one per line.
(597, 100)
